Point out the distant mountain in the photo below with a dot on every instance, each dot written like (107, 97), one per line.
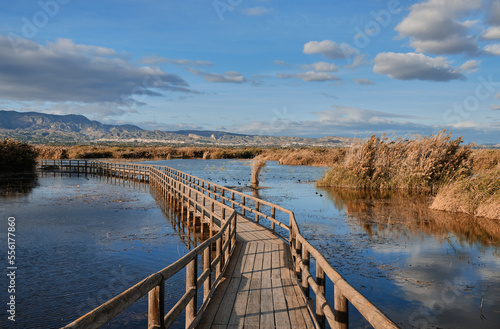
(37, 127)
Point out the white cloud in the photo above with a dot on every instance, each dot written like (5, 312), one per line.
(63, 71)
(321, 67)
(435, 27)
(412, 66)
(228, 77)
(493, 49)
(492, 33)
(309, 76)
(155, 60)
(257, 11)
(280, 62)
(497, 96)
(329, 49)
(363, 82)
(495, 107)
(470, 66)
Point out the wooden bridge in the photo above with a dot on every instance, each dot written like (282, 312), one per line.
(255, 265)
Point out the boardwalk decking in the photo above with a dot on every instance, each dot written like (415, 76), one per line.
(258, 289)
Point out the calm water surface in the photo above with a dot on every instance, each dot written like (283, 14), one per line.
(79, 243)
(83, 241)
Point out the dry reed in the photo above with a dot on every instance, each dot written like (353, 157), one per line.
(256, 168)
(414, 164)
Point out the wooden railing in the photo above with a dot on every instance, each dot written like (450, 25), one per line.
(202, 196)
(302, 251)
(224, 241)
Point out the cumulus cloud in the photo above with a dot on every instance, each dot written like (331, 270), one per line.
(329, 49)
(228, 77)
(492, 33)
(309, 76)
(155, 60)
(435, 27)
(493, 49)
(281, 63)
(470, 66)
(321, 67)
(64, 71)
(363, 82)
(412, 66)
(257, 11)
(495, 107)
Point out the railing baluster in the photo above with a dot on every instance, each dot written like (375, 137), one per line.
(191, 278)
(320, 281)
(156, 306)
(341, 309)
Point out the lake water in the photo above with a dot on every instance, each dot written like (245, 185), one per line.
(82, 241)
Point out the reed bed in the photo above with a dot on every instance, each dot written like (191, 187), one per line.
(413, 164)
(305, 156)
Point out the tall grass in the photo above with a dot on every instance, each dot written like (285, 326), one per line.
(414, 164)
(16, 156)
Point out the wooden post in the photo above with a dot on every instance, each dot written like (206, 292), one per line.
(242, 208)
(320, 281)
(232, 199)
(257, 209)
(207, 253)
(273, 216)
(305, 261)
(156, 306)
(298, 252)
(341, 309)
(218, 251)
(191, 278)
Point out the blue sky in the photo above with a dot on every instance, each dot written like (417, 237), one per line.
(316, 68)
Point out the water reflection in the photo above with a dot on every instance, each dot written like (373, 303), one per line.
(13, 185)
(396, 213)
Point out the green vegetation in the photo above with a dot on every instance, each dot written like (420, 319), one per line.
(16, 156)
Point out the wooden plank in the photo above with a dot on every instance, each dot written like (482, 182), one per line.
(266, 305)
(280, 306)
(252, 315)
(226, 306)
(240, 305)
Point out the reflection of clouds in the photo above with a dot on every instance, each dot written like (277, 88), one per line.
(449, 286)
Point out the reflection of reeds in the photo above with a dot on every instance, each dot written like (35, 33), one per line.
(394, 212)
(256, 167)
(418, 164)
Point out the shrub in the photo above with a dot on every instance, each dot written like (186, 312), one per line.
(17, 156)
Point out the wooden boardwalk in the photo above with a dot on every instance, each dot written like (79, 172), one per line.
(258, 289)
(252, 276)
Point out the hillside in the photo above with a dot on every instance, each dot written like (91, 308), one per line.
(44, 128)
